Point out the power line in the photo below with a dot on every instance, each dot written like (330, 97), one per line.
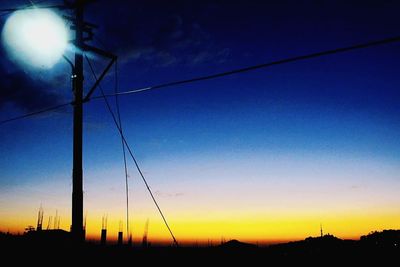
(122, 141)
(116, 89)
(131, 154)
(123, 147)
(34, 113)
(236, 71)
(264, 65)
(7, 11)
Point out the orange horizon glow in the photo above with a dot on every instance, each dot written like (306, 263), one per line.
(259, 229)
(267, 206)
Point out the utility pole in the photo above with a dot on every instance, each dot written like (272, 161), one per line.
(77, 172)
(83, 32)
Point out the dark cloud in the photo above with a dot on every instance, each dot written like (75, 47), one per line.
(150, 33)
(22, 90)
(28, 89)
(161, 33)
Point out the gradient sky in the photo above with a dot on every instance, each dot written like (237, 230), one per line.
(264, 156)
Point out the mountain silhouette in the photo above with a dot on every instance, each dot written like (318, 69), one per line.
(236, 244)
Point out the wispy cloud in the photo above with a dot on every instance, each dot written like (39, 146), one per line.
(168, 195)
(159, 38)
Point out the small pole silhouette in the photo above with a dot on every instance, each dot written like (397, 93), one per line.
(40, 219)
(103, 239)
(322, 233)
(146, 230)
(120, 235)
(49, 223)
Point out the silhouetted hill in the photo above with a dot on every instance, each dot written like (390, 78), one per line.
(313, 246)
(385, 239)
(375, 248)
(48, 235)
(236, 244)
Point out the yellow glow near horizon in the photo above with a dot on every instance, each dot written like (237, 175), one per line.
(263, 229)
(287, 205)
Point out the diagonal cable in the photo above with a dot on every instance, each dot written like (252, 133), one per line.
(123, 148)
(236, 71)
(34, 113)
(131, 154)
(260, 66)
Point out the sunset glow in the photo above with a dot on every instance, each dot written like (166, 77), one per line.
(238, 131)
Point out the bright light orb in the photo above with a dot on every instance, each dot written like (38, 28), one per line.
(37, 37)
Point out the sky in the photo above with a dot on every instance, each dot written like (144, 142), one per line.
(263, 156)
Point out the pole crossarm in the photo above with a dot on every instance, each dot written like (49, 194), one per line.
(113, 59)
(70, 63)
(86, 24)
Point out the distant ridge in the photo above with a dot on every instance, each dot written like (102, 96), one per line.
(385, 239)
(377, 248)
(236, 244)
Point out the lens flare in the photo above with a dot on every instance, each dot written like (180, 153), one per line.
(36, 37)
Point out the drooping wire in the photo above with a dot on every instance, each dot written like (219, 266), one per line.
(131, 154)
(116, 89)
(30, 5)
(264, 65)
(7, 11)
(222, 74)
(123, 147)
(34, 113)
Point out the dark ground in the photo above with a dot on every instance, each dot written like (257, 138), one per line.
(54, 248)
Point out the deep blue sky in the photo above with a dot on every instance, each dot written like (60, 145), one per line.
(344, 107)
